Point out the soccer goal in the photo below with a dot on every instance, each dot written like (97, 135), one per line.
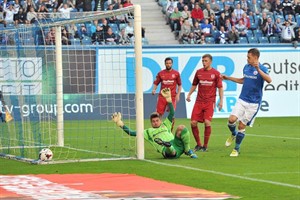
(61, 92)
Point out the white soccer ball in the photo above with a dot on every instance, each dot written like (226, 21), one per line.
(45, 154)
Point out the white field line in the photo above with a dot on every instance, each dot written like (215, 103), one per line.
(228, 175)
(263, 173)
(271, 136)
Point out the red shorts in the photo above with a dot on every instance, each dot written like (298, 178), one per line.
(162, 105)
(203, 111)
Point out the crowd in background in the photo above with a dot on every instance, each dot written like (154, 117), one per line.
(115, 30)
(232, 21)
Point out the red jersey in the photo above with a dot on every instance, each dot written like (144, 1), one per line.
(208, 81)
(168, 79)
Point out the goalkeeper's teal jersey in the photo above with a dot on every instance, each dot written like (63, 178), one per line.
(163, 132)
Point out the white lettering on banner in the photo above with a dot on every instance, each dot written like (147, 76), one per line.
(26, 110)
(21, 76)
(38, 188)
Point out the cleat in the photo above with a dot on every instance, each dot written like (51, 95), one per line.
(229, 140)
(162, 143)
(234, 153)
(197, 148)
(191, 154)
(203, 149)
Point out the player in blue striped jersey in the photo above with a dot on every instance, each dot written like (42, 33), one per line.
(247, 106)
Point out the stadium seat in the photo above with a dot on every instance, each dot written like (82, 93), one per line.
(114, 27)
(75, 41)
(250, 33)
(252, 40)
(121, 26)
(258, 33)
(298, 20)
(253, 25)
(274, 39)
(210, 40)
(86, 41)
(243, 40)
(263, 40)
(28, 41)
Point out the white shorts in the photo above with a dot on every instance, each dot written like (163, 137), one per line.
(245, 112)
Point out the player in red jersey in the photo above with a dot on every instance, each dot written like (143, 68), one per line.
(208, 80)
(169, 78)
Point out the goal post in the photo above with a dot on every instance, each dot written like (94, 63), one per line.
(62, 96)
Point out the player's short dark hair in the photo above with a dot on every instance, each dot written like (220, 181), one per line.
(207, 56)
(155, 115)
(254, 52)
(168, 58)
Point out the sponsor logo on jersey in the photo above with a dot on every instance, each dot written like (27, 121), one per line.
(205, 82)
(251, 77)
(168, 82)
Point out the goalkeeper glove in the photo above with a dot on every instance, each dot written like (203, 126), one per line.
(166, 92)
(191, 154)
(117, 118)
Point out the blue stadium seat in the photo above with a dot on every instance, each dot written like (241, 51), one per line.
(252, 40)
(263, 40)
(28, 41)
(86, 41)
(75, 41)
(114, 27)
(298, 20)
(243, 40)
(258, 33)
(274, 39)
(209, 40)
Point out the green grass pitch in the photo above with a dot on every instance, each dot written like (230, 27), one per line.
(267, 168)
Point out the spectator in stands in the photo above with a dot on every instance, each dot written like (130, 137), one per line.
(269, 28)
(202, 4)
(206, 28)
(82, 31)
(215, 7)
(123, 38)
(246, 20)
(266, 7)
(227, 25)
(174, 19)
(21, 17)
(170, 8)
(94, 26)
(197, 14)
(186, 14)
(98, 36)
(297, 35)
(65, 9)
(50, 37)
(129, 30)
(190, 39)
(207, 12)
(80, 5)
(122, 18)
(233, 19)
(110, 37)
(9, 13)
(255, 8)
(213, 21)
(277, 8)
(290, 18)
(245, 6)
(105, 25)
(222, 37)
(180, 5)
(221, 20)
(233, 36)
(277, 30)
(238, 11)
(202, 40)
(287, 33)
(65, 36)
(263, 20)
(39, 3)
(28, 4)
(288, 7)
(297, 7)
(42, 12)
(186, 28)
(191, 5)
(241, 28)
(72, 30)
(32, 16)
(112, 19)
(196, 29)
(2, 21)
(227, 11)
(127, 3)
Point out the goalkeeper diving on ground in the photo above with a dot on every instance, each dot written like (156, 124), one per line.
(160, 135)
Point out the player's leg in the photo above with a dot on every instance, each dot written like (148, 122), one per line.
(208, 114)
(246, 120)
(182, 141)
(237, 112)
(174, 105)
(161, 105)
(196, 117)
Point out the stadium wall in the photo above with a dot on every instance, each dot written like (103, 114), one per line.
(281, 97)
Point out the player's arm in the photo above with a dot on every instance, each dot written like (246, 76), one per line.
(264, 75)
(117, 118)
(156, 83)
(166, 92)
(193, 88)
(154, 89)
(178, 92)
(237, 80)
